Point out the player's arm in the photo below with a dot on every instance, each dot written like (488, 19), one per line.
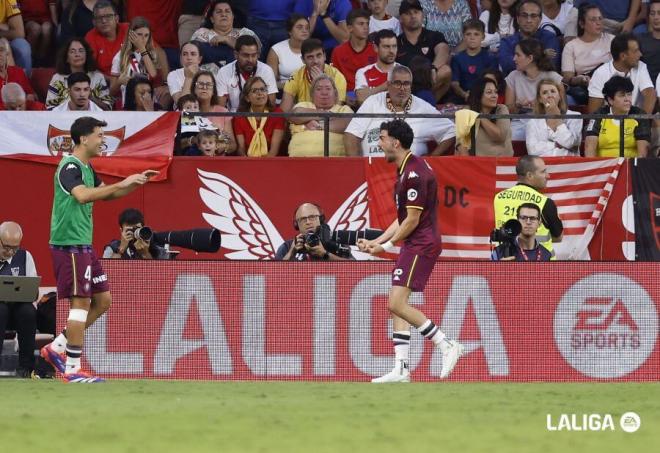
(404, 230)
(84, 194)
(364, 244)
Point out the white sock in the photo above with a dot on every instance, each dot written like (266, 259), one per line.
(401, 345)
(432, 332)
(72, 365)
(59, 344)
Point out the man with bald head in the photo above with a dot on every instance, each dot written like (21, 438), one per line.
(22, 317)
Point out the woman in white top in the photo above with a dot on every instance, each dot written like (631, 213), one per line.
(498, 23)
(285, 58)
(552, 137)
(179, 81)
(581, 56)
(532, 66)
(557, 13)
(138, 55)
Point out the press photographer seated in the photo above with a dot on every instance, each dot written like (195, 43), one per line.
(313, 241)
(522, 246)
(132, 246)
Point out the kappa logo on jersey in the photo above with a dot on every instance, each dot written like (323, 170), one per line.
(412, 194)
(606, 325)
(59, 141)
(71, 167)
(412, 175)
(248, 233)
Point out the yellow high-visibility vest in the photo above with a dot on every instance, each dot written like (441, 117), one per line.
(506, 205)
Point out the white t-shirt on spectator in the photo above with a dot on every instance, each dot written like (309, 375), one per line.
(639, 76)
(524, 87)
(504, 28)
(425, 129)
(581, 57)
(228, 83)
(64, 107)
(288, 61)
(542, 141)
(388, 24)
(561, 20)
(175, 81)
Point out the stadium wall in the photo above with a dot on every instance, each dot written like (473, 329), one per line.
(250, 320)
(229, 193)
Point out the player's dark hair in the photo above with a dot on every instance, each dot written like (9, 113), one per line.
(356, 14)
(131, 216)
(310, 45)
(400, 130)
(617, 84)
(84, 126)
(77, 77)
(533, 206)
(525, 165)
(620, 44)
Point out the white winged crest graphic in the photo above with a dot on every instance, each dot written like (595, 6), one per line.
(247, 230)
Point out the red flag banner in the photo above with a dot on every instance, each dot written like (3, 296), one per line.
(135, 141)
(580, 187)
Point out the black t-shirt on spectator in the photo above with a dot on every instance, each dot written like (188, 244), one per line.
(425, 46)
(650, 48)
(194, 7)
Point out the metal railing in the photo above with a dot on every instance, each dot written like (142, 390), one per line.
(327, 116)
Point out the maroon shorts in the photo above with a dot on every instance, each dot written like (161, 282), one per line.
(413, 270)
(78, 271)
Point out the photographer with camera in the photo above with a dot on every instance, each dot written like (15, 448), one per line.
(532, 179)
(518, 237)
(313, 241)
(136, 239)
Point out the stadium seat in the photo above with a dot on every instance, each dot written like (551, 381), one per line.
(40, 80)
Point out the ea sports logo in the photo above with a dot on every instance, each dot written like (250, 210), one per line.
(606, 326)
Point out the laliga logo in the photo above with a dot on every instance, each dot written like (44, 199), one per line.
(59, 141)
(629, 422)
(247, 230)
(606, 326)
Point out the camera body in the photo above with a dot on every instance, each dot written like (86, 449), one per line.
(312, 239)
(145, 233)
(506, 235)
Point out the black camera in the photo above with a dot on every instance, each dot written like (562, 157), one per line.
(312, 239)
(350, 237)
(507, 235)
(145, 233)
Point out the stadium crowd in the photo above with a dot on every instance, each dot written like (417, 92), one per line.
(468, 57)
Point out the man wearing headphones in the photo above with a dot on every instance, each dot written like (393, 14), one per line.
(308, 218)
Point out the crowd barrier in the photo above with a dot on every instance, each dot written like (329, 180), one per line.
(242, 320)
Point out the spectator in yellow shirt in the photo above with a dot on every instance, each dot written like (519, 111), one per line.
(11, 27)
(299, 88)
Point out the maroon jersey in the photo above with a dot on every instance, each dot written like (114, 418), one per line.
(417, 188)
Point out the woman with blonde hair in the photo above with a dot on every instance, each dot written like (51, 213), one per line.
(139, 55)
(258, 136)
(552, 137)
(307, 132)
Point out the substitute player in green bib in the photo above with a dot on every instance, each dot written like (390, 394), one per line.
(80, 277)
(532, 179)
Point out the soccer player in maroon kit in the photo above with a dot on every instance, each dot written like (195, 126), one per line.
(416, 198)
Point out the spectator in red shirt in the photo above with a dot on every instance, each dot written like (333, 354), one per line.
(165, 13)
(107, 35)
(39, 17)
(372, 79)
(14, 98)
(14, 74)
(258, 137)
(357, 52)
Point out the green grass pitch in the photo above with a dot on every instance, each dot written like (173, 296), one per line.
(184, 416)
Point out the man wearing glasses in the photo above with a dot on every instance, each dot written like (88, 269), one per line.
(308, 220)
(363, 134)
(527, 246)
(15, 261)
(107, 36)
(527, 23)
